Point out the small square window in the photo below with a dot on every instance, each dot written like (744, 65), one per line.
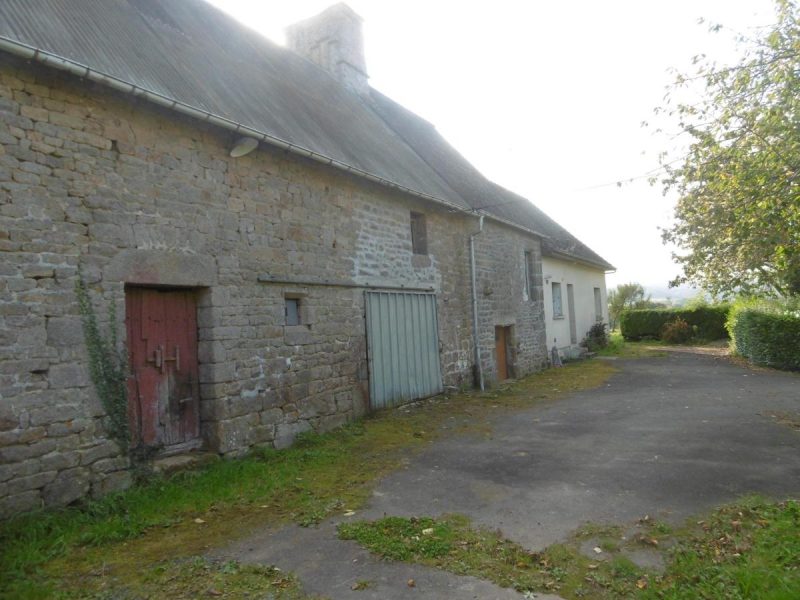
(419, 234)
(292, 311)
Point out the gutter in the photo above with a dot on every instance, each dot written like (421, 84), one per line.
(61, 63)
(607, 268)
(473, 269)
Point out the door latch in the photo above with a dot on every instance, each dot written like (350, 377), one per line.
(176, 359)
(159, 359)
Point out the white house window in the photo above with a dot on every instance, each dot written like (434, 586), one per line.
(598, 305)
(558, 310)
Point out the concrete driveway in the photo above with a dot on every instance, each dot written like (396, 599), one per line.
(669, 436)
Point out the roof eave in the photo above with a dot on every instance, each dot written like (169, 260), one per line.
(50, 59)
(65, 64)
(606, 267)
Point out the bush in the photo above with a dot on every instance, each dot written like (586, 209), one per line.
(767, 333)
(596, 338)
(706, 322)
(676, 332)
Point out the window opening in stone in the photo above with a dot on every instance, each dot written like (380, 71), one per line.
(292, 311)
(528, 274)
(419, 234)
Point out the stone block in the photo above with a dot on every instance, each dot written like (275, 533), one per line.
(272, 416)
(70, 375)
(21, 452)
(262, 434)
(55, 413)
(71, 427)
(214, 410)
(58, 461)
(210, 351)
(218, 372)
(156, 267)
(330, 422)
(270, 399)
(109, 483)
(285, 433)
(297, 335)
(30, 482)
(109, 465)
(232, 434)
(64, 332)
(38, 272)
(317, 407)
(344, 401)
(22, 436)
(66, 487)
(104, 449)
(8, 420)
(20, 503)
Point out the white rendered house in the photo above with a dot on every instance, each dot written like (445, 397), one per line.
(574, 300)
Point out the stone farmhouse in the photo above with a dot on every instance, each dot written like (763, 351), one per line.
(286, 248)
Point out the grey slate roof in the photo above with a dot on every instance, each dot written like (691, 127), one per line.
(191, 52)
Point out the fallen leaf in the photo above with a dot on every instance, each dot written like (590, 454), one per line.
(349, 513)
(213, 592)
(199, 521)
(411, 583)
(597, 550)
(427, 531)
(641, 583)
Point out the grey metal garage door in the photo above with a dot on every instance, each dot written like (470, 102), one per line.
(403, 347)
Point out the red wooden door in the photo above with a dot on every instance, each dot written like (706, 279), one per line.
(163, 390)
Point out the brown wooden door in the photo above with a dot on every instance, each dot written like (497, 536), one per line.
(163, 390)
(501, 344)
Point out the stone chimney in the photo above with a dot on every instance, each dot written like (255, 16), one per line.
(333, 40)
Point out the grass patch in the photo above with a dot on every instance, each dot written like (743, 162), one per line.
(748, 550)
(451, 544)
(619, 347)
(129, 532)
(190, 578)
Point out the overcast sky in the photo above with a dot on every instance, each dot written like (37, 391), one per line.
(545, 98)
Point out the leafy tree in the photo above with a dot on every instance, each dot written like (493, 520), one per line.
(625, 296)
(738, 214)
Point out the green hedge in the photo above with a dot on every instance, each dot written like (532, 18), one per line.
(766, 334)
(707, 322)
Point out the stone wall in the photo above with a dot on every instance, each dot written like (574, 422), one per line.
(503, 300)
(135, 194)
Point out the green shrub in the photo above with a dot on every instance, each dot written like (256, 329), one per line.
(767, 333)
(706, 322)
(677, 331)
(596, 338)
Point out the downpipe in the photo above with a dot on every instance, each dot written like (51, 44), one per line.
(473, 269)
